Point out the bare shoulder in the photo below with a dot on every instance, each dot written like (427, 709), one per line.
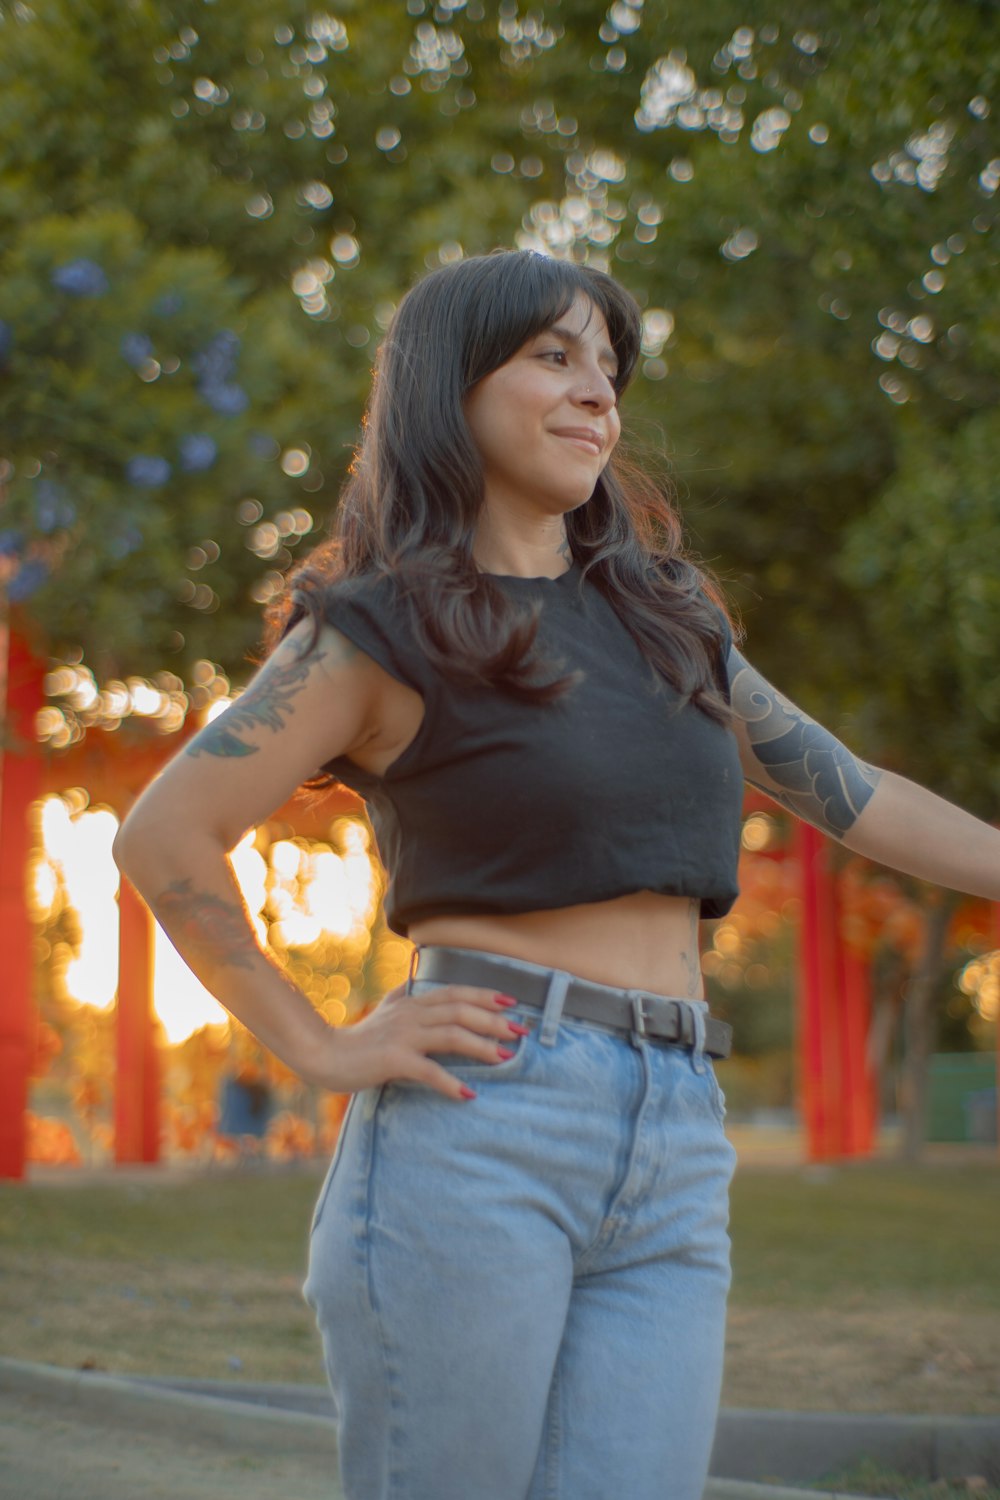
(317, 681)
(316, 698)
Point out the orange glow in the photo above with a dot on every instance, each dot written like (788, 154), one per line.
(300, 897)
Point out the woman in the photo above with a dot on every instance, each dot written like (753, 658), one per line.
(519, 1259)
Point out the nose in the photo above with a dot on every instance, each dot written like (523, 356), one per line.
(595, 391)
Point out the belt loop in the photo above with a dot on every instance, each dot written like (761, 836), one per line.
(697, 1013)
(638, 1033)
(555, 999)
(411, 976)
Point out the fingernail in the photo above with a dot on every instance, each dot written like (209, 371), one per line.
(467, 1093)
(505, 1053)
(504, 1000)
(518, 1029)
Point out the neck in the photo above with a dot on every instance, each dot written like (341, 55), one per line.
(547, 555)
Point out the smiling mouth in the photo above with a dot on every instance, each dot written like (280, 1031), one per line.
(591, 445)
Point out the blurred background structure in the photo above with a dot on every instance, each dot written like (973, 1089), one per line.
(206, 214)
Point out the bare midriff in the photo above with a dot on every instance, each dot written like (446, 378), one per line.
(641, 941)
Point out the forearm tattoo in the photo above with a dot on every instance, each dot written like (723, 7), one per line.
(207, 930)
(807, 769)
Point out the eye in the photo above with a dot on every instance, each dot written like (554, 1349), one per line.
(559, 355)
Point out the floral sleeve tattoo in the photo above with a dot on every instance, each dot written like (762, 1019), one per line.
(266, 704)
(806, 769)
(209, 931)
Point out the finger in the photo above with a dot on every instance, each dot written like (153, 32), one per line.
(481, 1020)
(469, 1044)
(465, 994)
(435, 1077)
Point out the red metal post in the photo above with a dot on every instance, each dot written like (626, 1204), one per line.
(820, 1073)
(858, 1088)
(20, 785)
(137, 1092)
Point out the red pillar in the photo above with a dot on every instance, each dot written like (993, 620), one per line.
(137, 1093)
(818, 1034)
(837, 1088)
(20, 785)
(859, 1103)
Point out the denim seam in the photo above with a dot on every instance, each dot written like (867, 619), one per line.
(718, 1097)
(331, 1171)
(553, 1436)
(394, 1426)
(616, 1216)
(638, 1159)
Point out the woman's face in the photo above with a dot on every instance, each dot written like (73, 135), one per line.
(546, 422)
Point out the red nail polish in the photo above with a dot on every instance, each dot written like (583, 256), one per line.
(467, 1093)
(518, 1029)
(504, 1000)
(505, 1053)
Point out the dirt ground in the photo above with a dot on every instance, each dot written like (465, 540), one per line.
(879, 1354)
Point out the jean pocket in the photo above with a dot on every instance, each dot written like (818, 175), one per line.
(331, 1170)
(471, 1067)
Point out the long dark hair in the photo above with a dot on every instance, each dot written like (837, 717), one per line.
(413, 496)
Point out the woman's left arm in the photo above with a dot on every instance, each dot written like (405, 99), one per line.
(876, 813)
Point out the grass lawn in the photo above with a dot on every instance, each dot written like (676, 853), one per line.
(871, 1287)
(866, 1288)
(869, 1479)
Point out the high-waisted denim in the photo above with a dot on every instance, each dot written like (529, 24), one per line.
(522, 1297)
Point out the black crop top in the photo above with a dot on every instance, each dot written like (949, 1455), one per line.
(501, 806)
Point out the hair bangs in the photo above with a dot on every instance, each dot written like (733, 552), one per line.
(527, 293)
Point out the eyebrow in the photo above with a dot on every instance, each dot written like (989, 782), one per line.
(570, 337)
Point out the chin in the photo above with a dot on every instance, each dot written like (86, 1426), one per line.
(557, 505)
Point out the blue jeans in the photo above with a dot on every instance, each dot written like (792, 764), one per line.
(523, 1297)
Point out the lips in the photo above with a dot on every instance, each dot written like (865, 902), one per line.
(586, 438)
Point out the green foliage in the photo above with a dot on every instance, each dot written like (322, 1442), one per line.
(925, 558)
(129, 465)
(805, 208)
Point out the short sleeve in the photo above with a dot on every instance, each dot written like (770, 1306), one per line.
(368, 611)
(725, 646)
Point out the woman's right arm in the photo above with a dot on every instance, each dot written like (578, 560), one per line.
(308, 704)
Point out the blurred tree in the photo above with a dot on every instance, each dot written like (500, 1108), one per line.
(207, 211)
(214, 207)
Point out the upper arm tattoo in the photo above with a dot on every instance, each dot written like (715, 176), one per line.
(267, 702)
(806, 768)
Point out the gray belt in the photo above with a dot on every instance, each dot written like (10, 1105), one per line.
(656, 1017)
